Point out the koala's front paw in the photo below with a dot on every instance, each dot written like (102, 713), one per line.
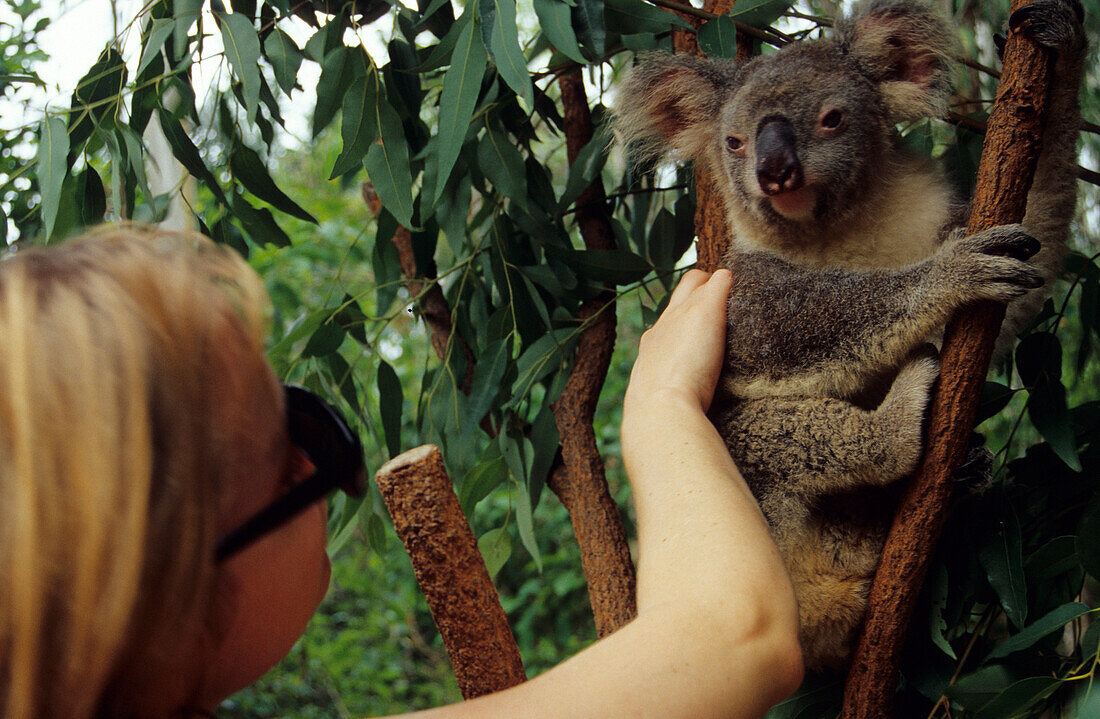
(1055, 24)
(992, 264)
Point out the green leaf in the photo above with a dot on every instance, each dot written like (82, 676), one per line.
(358, 123)
(502, 163)
(1088, 540)
(555, 24)
(325, 340)
(158, 32)
(504, 48)
(336, 76)
(242, 47)
(1019, 697)
(259, 224)
(525, 521)
(1048, 411)
(978, 689)
(995, 397)
(285, 58)
(939, 601)
(615, 266)
(628, 17)
(491, 366)
(376, 532)
(588, 23)
(461, 85)
(1039, 356)
(1051, 622)
(718, 37)
(186, 152)
(495, 547)
(760, 13)
(390, 402)
(479, 481)
(91, 197)
(586, 168)
(96, 98)
(1003, 560)
(540, 359)
(249, 169)
(53, 149)
(387, 164)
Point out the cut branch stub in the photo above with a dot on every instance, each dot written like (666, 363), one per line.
(1008, 162)
(581, 484)
(451, 572)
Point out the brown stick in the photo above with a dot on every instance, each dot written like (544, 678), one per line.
(582, 484)
(1009, 158)
(450, 571)
(433, 305)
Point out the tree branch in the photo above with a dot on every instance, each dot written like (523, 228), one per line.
(1009, 158)
(433, 305)
(582, 484)
(450, 571)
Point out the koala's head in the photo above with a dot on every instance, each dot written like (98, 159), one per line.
(799, 138)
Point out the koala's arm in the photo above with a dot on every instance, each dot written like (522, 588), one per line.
(824, 333)
(1055, 24)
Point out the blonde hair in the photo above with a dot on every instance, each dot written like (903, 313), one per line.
(115, 349)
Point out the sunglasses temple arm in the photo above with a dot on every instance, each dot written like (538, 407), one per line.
(274, 516)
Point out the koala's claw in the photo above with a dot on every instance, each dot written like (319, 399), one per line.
(1051, 23)
(1005, 240)
(976, 471)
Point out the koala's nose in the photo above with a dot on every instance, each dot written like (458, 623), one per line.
(777, 166)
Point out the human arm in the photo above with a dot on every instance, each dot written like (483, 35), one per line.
(716, 632)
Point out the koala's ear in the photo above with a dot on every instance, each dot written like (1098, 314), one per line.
(906, 48)
(670, 103)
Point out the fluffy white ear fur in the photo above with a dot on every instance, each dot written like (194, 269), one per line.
(906, 48)
(670, 104)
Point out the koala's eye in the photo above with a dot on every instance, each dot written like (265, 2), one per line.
(734, 144)
(832, 120)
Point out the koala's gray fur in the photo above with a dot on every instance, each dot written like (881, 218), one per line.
(847, 257)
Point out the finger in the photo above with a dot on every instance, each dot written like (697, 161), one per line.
(691, 280)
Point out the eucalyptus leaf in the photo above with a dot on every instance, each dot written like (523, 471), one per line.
(481, 480)
(158, 31)
(495, 547)
(242, 48)
(391, 399)
(53, 148)
(285, 58)
(760, 13)
(461, 85)
(718, 37)
(504, 48)
(249, 169)
(1049, 412)
(614, 266)
(259, 224)
(1049, 623)
(502, 164)
(586, 168)
(358, 123)
(387, 164)
(185, 151)
(325, 340)
(637, 16)
(556, 24)
(1022, 695)
(1002, 558)
(588, 24)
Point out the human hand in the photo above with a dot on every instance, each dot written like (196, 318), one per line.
(680, 356)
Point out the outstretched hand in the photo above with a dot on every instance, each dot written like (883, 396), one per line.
(680, 356)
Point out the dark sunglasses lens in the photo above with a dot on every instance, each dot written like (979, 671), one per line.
(322, 433)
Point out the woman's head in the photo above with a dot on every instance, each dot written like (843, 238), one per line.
(138, 419)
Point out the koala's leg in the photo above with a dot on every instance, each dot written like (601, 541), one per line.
(814, 446)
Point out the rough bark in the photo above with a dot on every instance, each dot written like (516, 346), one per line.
(712, 235)
(450, 571)
(581, 484)
(432, 305)
(1008, 162)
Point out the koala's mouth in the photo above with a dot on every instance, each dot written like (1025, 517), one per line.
(797, 205)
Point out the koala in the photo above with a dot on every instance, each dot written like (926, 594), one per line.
(848, 256)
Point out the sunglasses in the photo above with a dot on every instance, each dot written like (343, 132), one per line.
(319, 431)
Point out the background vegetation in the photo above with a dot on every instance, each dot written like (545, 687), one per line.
(452, 112)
